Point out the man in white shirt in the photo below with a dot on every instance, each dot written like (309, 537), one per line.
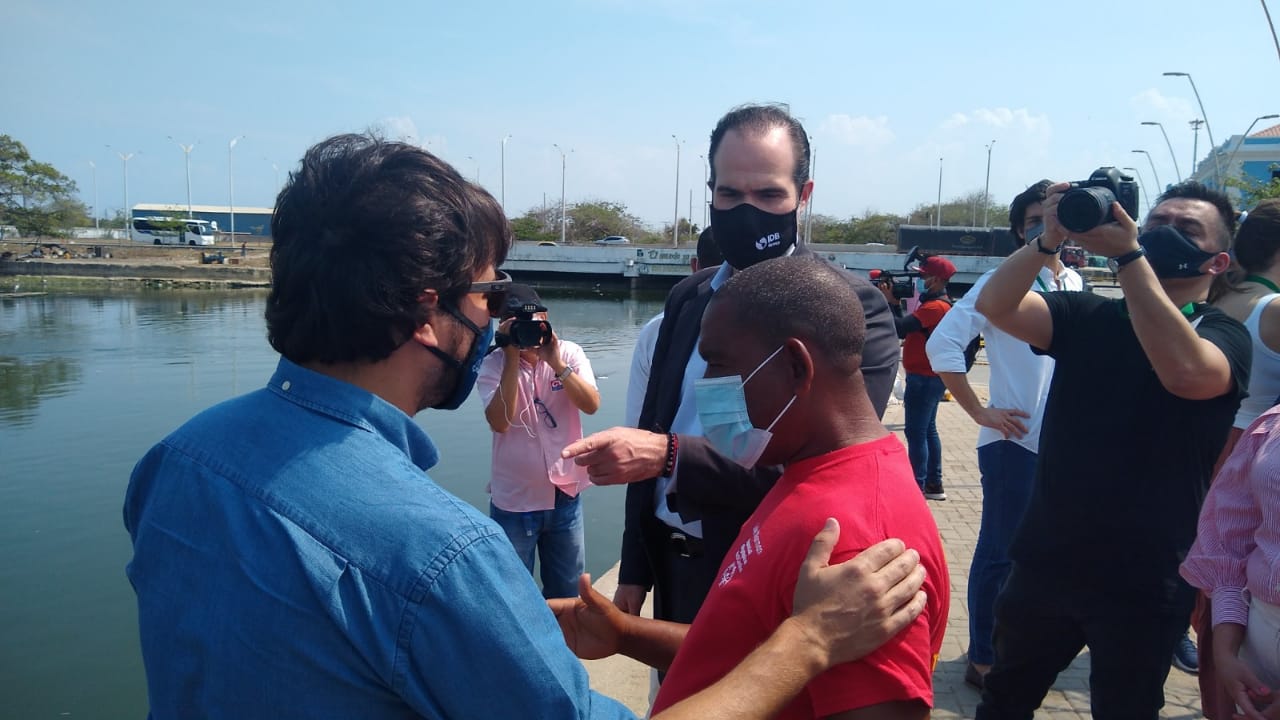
(1010, 436)
(534, 390)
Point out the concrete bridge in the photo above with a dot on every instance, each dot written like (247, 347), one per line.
(660, 264)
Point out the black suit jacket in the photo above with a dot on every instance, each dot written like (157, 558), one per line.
(715, 489)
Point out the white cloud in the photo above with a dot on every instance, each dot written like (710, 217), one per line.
(1152, 101)
(956, 120)
(860, 131)
(400, 127)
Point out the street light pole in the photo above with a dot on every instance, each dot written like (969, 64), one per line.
(128, 214)
(186, 154)
(231, 183)
(1217, 169)
(808, 208)
(1154, 174)
(937, 215)
(502, 162)
(477, 162)
(1232, 157)
(703, 158)
(675, 222)
(1142, 185)
(562, 168)
(986, 189)
(1174, 158)
(96, 212)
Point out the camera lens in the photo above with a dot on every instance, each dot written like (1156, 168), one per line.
(530, 333)
(1083, 209)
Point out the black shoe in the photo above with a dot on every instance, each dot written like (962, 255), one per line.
(973, 678)
(934, 492)
(1185, 657)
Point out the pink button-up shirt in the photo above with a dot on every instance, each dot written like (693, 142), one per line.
(527, 467)
(1237, 550)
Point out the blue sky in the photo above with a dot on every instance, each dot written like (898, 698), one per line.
(884, 89)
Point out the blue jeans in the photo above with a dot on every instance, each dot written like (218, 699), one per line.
(1008, 474)
(920, 401)
(558, 537)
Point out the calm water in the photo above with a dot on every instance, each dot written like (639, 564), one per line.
(89, 382)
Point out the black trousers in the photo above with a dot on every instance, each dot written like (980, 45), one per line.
(683, 574)
(1043, 623)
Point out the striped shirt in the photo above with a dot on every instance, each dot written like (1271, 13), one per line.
(1237, 549)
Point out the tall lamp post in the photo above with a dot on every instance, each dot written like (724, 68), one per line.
(808, 208)
(186, 153)
(275, 170)
(703, 158)
(477, 162)
(1142, 185)
(231, 183)
(937, 214)
(675, 222)
(1154, 174)
(986, 189)
(128, 214)
(502, 165)
(1172, 156)
(96, 212)
(1217, 169)
(1232, 157)
(562, 215)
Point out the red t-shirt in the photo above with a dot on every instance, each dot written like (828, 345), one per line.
(871, 490)
(914, 359)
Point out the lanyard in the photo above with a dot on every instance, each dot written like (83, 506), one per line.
(1263, 281)
(1041, 284)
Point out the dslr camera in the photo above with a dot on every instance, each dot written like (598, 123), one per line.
(1088, 203)
(901, 281)
(525, 332)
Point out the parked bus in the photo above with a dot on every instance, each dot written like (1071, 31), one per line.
(173, 231)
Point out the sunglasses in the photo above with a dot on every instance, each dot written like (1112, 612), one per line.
(495, 293)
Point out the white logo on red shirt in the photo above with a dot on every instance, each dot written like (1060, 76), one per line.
(750, 546)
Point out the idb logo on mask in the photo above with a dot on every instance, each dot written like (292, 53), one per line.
(768, 241)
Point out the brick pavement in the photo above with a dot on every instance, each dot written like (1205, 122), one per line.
(958, 517)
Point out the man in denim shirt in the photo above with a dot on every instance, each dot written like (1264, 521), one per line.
(293, 559)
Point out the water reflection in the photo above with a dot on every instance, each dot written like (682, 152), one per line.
(23, 385)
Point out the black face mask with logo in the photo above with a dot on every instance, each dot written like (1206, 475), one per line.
(1171, 254)
(746, 235)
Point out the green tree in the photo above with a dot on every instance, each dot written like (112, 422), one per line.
(1254, 191)
(33, 194)
(965, 211)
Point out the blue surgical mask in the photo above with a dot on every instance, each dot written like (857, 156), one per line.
(726, 424)
(922, 287)
(468, 368)
(1171, 254)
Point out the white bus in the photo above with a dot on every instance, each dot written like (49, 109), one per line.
(173, 231)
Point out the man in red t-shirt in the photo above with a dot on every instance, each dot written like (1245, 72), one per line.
(924, 387)
(783, 343)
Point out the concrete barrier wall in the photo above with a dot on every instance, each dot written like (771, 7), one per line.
(115, 270)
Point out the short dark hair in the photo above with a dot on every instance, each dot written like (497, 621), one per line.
(1024, 200)
(708, 252)
(1258, 239)
(360, 230)
(801, 297)
(760, 119)
(1192, 190)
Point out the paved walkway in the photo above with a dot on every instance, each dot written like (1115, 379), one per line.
(958, 519)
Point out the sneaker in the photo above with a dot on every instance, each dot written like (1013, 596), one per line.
(935, 492)
(1185, 657)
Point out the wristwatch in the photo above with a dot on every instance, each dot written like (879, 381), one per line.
(1120, 261)
(565, 373)
(1042, 249)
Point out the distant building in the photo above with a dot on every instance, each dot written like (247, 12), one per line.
(1256, 157)
(251, 222)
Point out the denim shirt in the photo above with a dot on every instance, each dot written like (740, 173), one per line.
(293, 559)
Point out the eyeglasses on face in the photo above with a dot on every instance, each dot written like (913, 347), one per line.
(495, 293)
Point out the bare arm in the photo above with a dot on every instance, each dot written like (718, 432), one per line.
(502, 407)
(1008, 305)
(1188, 366)
(581, 393)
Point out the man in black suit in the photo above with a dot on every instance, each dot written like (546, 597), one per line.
(686, 502)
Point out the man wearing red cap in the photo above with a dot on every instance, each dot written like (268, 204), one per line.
(924, 387)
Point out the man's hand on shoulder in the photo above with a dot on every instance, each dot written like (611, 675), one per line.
(619, 455)
(851, 609)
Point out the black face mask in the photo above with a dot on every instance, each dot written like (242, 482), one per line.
(1171, 254)
(746, 234)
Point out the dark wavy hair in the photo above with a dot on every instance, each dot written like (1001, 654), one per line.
(749, 119)
(360, 230)
(1024, 200)
(1256, 249)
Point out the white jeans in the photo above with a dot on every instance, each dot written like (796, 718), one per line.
(1261, 647)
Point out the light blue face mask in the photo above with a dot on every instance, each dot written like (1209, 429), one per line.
(726, 424)
(922, 287)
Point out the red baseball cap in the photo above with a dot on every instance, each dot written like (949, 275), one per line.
(938, 267)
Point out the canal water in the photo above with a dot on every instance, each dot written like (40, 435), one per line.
(88, 382)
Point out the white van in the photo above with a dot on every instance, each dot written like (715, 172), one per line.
(173, 231)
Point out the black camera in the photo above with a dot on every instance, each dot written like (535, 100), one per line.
(1088, 204)
(525, 332)
(902, 282)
